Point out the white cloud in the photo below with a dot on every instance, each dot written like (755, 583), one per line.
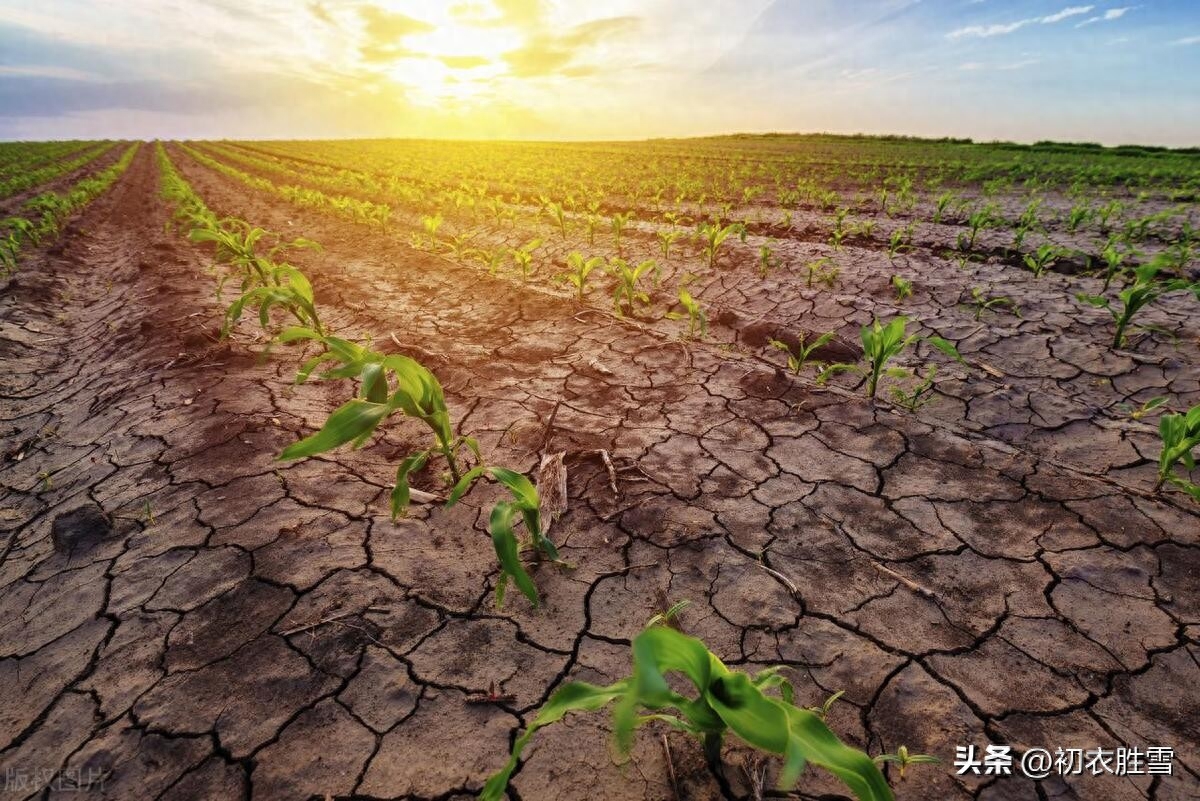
(46, 71)
(979, 66)
(985, 31)
(1189, 40)
(1072, 11)
(1107, 16)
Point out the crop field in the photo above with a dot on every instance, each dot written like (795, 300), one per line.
(744, 467)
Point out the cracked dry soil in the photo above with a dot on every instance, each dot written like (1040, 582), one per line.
(190, 619)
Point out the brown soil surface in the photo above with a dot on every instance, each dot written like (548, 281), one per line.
(192, 619)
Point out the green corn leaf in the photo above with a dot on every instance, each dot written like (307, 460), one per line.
(576, 696)
(374, 383)
(946, 347)
(464, 484)
(353, 421)
(400, 493)
(295, 333)
(505, 542)
(519, 485)
(758, 720)
(822, 747)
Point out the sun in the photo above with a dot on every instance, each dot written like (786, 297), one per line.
(457, 57)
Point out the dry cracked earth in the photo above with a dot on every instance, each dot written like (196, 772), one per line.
(182, 616)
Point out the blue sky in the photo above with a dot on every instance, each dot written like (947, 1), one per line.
(1113, 72)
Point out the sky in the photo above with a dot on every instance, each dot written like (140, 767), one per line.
(1116, 71)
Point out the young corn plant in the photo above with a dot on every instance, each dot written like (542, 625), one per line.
(1114, 262)
(388, 383)
(697, 319)
(881, 344)
(579, 269)
(725, 701)
(289, 290)
(800, 355)
(619, 223)
(522, 257)
(918, 396)
(526, 506)
(236, 246)
(629, 291)
(1180, 435)
(821, 269)
(556, 212)
(900, 242)
(902, 759)
(1145, 289)
(430, 225)
(983, 302)
(903, 287)
(1028, 220)
(1078, 216)
(667, 240)
(822, 711)
(979, 220)
(1150, 407)
(767, 260)
(712, 236)
(943, 204)
(459, 245)
(1043, 259)
(1105, 213)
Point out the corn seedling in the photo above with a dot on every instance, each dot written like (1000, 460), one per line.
(579, 269)
(1145, 289)
(525, 504)
(919, 395)
(629, 291)
(619, 223)
(713, 235)
(900, 241)
(799, 356)
(1078, 216)
(388, 383)
(902, 286)
(1106, 212)
(767, 260)
(822, 711)
(1150, 407)
(697, 319)
(1042, 259)
(817, 272)
(902, 759)
(666, 239)
(725, 701)
(522, 257)
(430, 226)
(1029, 217)
(287, 289)
(979, 220)
(881, 344)
(1114, 261)
(669, 617)
(1180, 434)
(943, 203)
(459, 245)
(555, 210)
(983, 302)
